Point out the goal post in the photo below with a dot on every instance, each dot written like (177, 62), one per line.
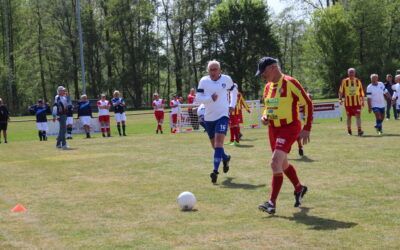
(189, 120)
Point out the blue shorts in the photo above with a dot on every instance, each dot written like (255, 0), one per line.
(219, 126)
(379, 110)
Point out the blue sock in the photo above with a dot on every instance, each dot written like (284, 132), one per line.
(218, 152)
(224, 156)
(377, 123)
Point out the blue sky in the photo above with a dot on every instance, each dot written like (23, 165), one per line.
(276, 5)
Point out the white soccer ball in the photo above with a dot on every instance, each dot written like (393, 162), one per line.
(186, 201)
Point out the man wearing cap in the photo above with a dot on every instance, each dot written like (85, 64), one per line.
(351, 90)
(60, 108)
(213, 91)
(282, 97)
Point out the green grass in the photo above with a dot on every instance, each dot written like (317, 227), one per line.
(120, 193)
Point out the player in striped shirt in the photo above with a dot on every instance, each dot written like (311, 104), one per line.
(236, 117)
(351, 90)
(282, 96)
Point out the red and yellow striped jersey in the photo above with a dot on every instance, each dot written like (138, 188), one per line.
(240, 104)
(282, 100)
(352, 91)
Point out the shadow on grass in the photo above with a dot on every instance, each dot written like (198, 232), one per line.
(303, 158)
(244, 146)
(248, 139)
(315, 222)
(229, 184)
(189, 211)
(383, 135)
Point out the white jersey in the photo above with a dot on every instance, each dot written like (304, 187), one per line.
(174, 110)
(222, 87)
(101, 110)
(396, 94)
(376, 94)
(158, 105)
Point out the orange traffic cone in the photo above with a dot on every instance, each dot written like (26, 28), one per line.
(18, 209)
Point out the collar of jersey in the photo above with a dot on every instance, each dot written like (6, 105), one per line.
(217, 79)
(276, 84)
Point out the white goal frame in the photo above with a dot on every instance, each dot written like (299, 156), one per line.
(188, 121)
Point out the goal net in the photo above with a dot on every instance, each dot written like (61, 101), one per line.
(190, 117)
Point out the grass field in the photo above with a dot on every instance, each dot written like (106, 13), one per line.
(120, 193)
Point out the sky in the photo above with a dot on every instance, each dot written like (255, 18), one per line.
(276, 5)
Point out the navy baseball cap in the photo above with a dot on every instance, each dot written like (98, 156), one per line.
(263, 63)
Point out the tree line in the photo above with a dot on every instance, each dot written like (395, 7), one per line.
(144, 46)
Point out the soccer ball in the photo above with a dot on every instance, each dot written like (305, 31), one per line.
(186, 201)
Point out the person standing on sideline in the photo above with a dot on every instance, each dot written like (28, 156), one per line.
(70, 117)
(4, 119)
(214, 91)
(353, 93)
(389, 87)
(85, 114)
(158, 106)
(119, 109)
(61, 102)
(282, 97)
(194, 119)
(396, 94)
(376, 93)
(40, 110)
(104, 115)
(174, 104)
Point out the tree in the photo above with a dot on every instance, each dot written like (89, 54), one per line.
(329, 48)
(244, 35)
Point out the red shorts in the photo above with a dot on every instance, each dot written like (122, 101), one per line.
(353, 110)
(240, 118)
(104, 118)
(159, 114)
(174, 118)
(282, 138)
(233, 120)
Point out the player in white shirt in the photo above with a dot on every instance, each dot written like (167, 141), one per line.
(396, 93)
(376, 93)
(214, 91)
(158, 106)
(174, 104)
(104, 115)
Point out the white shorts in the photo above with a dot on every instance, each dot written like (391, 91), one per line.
(70, 120)
(42, 126)
(120, 117)
(85, 120)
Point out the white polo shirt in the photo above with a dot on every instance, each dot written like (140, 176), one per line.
(222, 87)
(376, 94)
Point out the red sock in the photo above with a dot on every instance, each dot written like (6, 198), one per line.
(232, 130)
(160, 127)
(238, 129)
(290, 172)
(277, 180)
(103, 130)
(236, 134)
(108, 130)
